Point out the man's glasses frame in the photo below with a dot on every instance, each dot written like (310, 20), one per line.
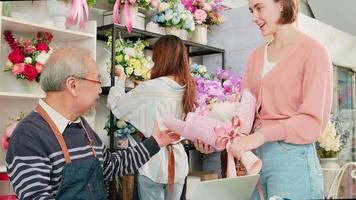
(91, 80)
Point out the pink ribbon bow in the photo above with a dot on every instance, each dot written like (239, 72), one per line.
(79, 11)
(127, 14)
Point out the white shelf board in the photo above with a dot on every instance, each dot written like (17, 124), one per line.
(2, 168)
(59, 34)
(20, 96)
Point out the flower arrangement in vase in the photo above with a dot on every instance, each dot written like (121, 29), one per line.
(130, 56)
(206, 13)
(10, 129)
(121, 131)
(333, 138)
(172, 16)
(28, 56)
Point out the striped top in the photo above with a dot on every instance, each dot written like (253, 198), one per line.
(35, 161)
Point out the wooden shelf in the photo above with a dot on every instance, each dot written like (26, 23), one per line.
(61, 35)
(19, 96)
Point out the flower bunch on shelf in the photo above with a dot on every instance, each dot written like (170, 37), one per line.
(172, 14)
(121, 128)
(10, 129)
(223, 86)
(145, 4)
(130, 56)
(207, 12)
(199, 71)
(28, 56)
(333, 138)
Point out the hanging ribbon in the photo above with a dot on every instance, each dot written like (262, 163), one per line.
(127, 14)
(80, 12)
(224, 139)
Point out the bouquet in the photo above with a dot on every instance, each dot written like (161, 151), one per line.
(206, 12)
(173, 14)
(10, 129)
(333, 138)
(130, 56)
(225, 86)
(121, 128)
(27, 57)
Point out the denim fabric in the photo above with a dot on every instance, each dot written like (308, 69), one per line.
(290, 171)
(149, 190)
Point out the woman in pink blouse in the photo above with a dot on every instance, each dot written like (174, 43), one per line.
(291, 78)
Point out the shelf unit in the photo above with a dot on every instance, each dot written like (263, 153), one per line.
(16, 95)
(117, 30)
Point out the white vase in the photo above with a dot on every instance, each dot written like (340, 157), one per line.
(34, 88)
(137, 18)
(154, 28)
(172, 31)
(200, 34)
(59, 10)
(330, 168)
(184, 34)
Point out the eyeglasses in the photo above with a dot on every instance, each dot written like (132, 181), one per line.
(91, 80)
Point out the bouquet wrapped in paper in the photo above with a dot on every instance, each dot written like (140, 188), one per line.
(213, 129)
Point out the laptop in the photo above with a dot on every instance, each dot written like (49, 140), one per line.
(239, 188)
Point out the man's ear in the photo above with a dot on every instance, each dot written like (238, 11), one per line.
(71, 85)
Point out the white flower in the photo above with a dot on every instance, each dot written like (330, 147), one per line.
(42, 58)
(138, 72)
(126, 57)
(183, 16)
(28, 60)
(9, 64)
(130, 51)
(329, 140)
(202, 69)
(128, 70)
(120, 123)
(168, 16)
(163, 6)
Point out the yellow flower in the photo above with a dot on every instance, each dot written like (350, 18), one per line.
(129, 70)
(119, 58)
(134, 63)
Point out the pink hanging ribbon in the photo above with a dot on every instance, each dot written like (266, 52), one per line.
(127, 14)
(224, 139)
(79, 11)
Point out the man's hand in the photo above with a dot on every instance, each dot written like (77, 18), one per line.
(165, 137)
(203, 148)
(246, 143)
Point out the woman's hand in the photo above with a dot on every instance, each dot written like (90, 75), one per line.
(203, 148)
(246, 143)
(119, 71)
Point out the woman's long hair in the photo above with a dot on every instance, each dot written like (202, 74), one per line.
(170, 58)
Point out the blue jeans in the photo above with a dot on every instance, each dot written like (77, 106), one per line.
(150, 190)
(290, 171)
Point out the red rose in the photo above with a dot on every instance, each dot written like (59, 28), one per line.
(16, 56)
(42, 47)
(30, 72)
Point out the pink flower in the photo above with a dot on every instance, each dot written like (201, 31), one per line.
(29, 49)
(39, 67)
(207, 7)
(30, 72)
(8, 132)
(200, 15)
(132, 1)
(154, 3)
(42, 47)
(16, 56)
(18, 68)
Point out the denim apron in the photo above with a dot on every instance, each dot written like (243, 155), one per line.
(81, 179)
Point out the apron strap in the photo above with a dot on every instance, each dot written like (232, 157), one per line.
(56, 132)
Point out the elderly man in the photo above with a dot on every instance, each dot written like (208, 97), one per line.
(54, 153)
